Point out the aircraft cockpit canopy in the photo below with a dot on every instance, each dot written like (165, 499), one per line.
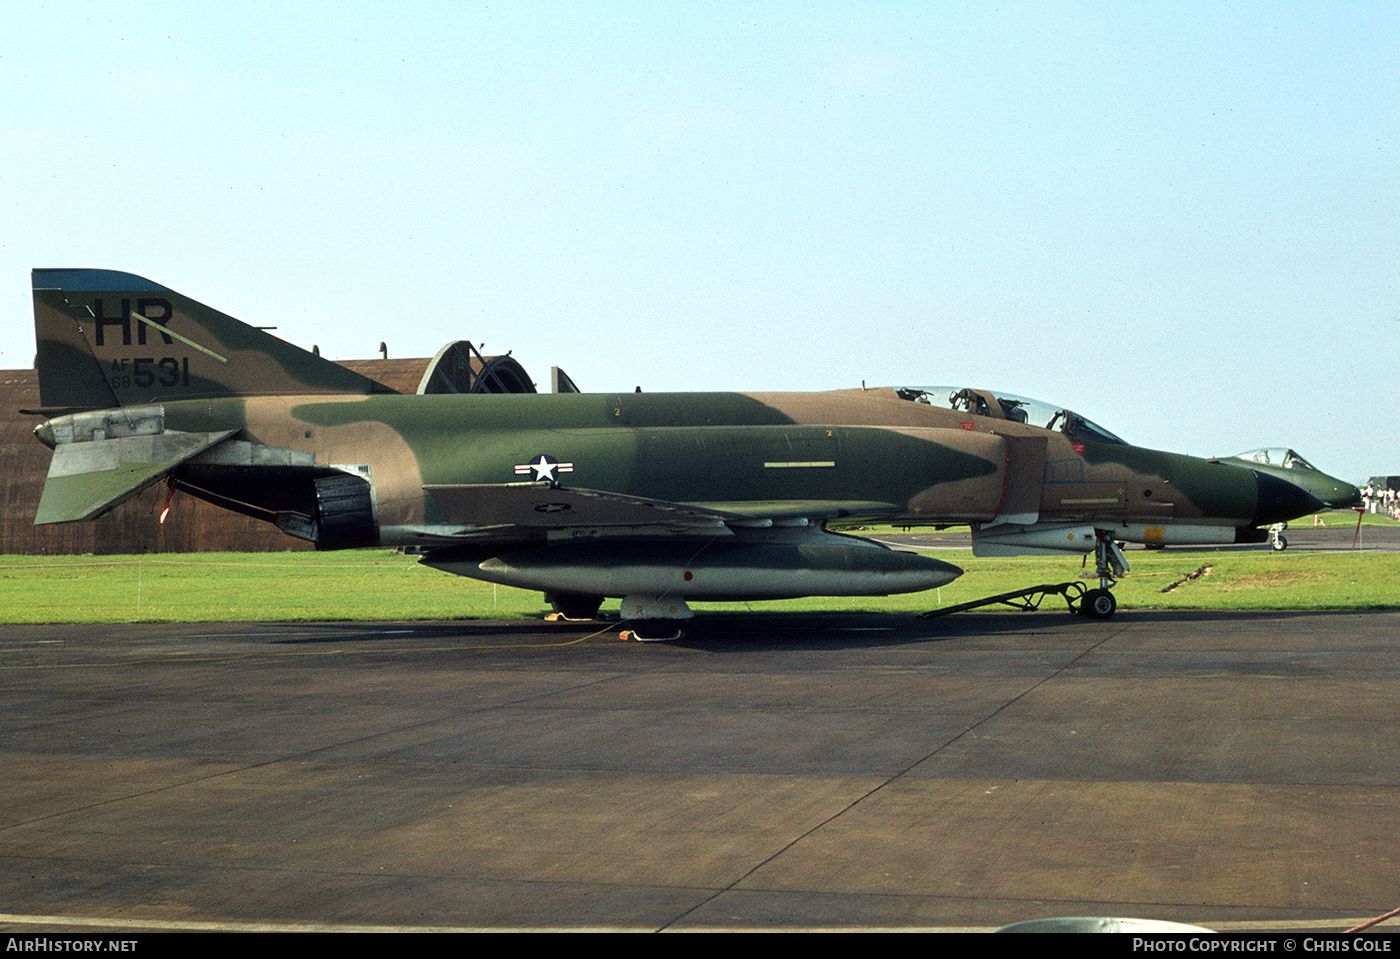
(1277, 456)
(1017, 409)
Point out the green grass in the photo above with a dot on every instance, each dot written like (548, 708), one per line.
(1345, 519)
(380, 584)
(200, 587)
(1182, 579)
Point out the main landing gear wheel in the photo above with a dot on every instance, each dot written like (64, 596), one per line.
(1098, 604)
(574, 605)
(653, 619)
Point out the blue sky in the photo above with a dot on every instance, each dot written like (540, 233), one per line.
(1181, 219)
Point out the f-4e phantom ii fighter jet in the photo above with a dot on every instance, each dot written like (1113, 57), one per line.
(655, 498)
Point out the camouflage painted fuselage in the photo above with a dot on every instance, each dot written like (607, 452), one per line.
(695, 495)
(854, 455)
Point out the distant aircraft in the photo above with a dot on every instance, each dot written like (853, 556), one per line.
(1286, 464)
(655, 498)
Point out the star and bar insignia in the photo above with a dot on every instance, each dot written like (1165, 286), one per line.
(544, 467)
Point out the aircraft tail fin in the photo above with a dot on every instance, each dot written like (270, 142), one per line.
(108, 339)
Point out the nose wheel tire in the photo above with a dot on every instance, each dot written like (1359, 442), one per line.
(1098, 604)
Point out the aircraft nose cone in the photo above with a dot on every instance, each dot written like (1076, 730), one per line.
(44, 431)
(1348, 498)
(1279, 500)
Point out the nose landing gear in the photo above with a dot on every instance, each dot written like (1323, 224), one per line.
(1096, 603)
(1109, 563)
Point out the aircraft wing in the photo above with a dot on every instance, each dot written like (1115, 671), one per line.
(87, 479)
(544, 506)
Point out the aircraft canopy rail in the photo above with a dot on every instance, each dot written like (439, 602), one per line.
(1018, 409)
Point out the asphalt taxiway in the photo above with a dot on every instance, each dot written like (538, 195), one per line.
(1234, 770)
